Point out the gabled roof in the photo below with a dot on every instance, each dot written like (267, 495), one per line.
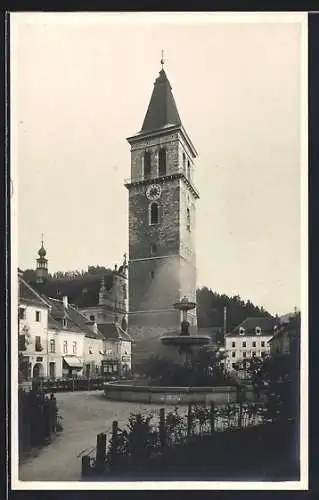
(30, 296)
(76, 321)
(112, 331)
(162, 109)
(266, 324)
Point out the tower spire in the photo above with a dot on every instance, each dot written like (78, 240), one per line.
(42, 263)
(162, 59)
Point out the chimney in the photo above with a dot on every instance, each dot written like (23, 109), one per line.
(65, 301)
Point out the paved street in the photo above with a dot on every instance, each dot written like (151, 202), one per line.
(84, 414)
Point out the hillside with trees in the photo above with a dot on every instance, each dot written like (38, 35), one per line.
(210, 309)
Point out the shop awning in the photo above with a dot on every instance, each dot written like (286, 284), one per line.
(73, 362)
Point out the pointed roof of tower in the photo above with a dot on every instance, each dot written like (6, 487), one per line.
(162, 109)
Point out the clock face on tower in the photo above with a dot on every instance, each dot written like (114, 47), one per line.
(153, 192)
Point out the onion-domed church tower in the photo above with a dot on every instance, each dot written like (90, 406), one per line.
(162, 199)
(41, 271)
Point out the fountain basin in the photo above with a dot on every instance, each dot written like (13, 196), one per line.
(170, 395)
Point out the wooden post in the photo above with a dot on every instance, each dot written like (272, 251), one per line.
(114, 443)
(162, 430)
(212, 417)
(100, 452)
(189, 420)
(85, 470)
(240, 415)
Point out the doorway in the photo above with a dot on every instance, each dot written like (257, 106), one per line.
(37, 370)
(52, 369)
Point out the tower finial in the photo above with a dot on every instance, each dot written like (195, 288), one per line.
(42, 236)
(162, 59)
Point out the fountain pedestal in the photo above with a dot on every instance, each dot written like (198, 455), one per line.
(184, 341)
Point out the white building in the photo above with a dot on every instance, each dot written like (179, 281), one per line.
(249, 339)
(75, 345)
(33, 332)
(57, 340)
(117, 348)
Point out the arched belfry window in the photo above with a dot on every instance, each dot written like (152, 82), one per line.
(147, 164)
(154, 213)
(162, 162)
(188, 219)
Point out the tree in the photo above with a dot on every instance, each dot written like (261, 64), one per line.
(210, 309)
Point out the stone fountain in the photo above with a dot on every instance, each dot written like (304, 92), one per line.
(185, 341)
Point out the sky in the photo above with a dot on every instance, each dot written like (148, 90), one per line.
(81, 84)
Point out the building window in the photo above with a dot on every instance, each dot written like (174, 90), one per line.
(52, 346)
(64, 322)
(154, 213)
(37, 316)
(244, 344)
(22, 313)
(233, 354)
(147, 164)
(22, 343)
(74, 347)
(233, 365)
(188, 169)
(241, 331)
(253, 354)
(233, 344)
(254, 344)
(244, 354)
(184, 163)
(258, 330)
(92, 317)
(153, 249)
(65, 347)
(262, 343)
(90, 350)
(124, 292)
(162, 162)
(152, 275)
(188, 219)
(38, 346)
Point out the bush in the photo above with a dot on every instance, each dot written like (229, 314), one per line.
(204, 371)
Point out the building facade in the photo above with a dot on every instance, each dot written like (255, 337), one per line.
(162, 220)
(33, 332)
(286, 338)
(249, 339)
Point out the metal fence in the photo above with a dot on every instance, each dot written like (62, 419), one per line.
(146, 436)
(69, 384)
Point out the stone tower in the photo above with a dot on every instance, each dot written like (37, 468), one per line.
(162, 200)
(41, 272)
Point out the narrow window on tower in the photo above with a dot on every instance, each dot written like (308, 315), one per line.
(188, 220)
(162, 162)
(153, 249)
(147, 165)
(154, 213)
(188, 169)
(184, 163)
(152, 275)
